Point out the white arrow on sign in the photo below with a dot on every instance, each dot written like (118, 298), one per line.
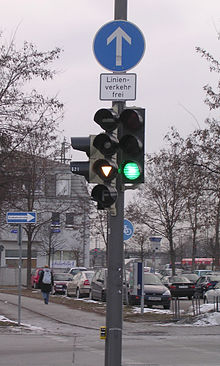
(119, 34)
(25, 216)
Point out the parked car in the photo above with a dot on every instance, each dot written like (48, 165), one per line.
(80, 284)
(75, 270)
(60, 282)
(35, 276)
(98, 285)
(213, 295)
(193, 277)
(155, 292)
(179, 286)
(203, 272)
(204, 283)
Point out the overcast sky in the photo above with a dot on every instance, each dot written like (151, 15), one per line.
(170, 76)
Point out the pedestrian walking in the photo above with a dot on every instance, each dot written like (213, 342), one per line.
(46, 283)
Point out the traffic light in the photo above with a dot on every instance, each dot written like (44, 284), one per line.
(103, 162)
(81, 167)
(131, 142)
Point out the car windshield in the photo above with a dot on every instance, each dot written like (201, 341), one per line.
(62, 277)
(89, 275)
(151, 279)
(191, 276)
(179, 279)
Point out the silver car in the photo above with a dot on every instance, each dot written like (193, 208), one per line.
(80, 284)
(213, 295)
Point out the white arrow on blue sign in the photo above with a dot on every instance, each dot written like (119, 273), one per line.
(119, 45)
(128, 229)
(21, 217)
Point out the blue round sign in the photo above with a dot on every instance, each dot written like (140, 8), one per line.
(119, 45)
(128, 229)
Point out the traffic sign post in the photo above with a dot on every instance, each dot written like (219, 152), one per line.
(21, 217)
(128, 229)
(118, 87)
(119, 45)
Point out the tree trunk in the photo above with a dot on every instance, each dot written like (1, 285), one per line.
(194, 249)
(172, 254)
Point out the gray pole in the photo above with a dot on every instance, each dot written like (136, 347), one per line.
(113, 345)
(19, 272)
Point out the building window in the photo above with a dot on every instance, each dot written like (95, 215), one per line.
(55, 219)
(63, 184)
(69, 219)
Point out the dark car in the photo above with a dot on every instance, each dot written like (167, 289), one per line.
(35, 276)
(98, 285)
(204, 283)
(155, 292)
(180, 286)
(193, 277)
(60, 282)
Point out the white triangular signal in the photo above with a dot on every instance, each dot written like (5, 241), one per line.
(106, 170)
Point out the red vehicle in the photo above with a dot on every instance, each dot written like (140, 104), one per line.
(35, 277)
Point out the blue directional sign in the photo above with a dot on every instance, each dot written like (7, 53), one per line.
(128, 229)
(119, 45)
(21, 217)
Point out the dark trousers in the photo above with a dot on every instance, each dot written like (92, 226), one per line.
(45, 296)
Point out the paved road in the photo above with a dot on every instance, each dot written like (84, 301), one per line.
(67, 337)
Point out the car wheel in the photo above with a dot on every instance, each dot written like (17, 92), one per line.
(166, 307)
(90, 295)
(103, 296)
(77, 293)
(190, 297)
(67, 293)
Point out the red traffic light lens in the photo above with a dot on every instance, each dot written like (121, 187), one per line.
(131, 119)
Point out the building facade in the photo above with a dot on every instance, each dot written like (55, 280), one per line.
(62, 233)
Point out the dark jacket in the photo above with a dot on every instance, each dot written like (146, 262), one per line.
(45, 287)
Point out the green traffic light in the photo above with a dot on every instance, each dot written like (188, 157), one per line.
(131, 170)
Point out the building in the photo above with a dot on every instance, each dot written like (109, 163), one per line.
(62, 204)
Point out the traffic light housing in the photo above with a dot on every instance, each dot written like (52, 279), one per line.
(131, 142)
(81, 167)
(103, 163)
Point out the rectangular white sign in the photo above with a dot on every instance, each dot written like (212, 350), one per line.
(118, 87)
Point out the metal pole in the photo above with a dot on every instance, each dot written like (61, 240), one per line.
(19, 272)
(113, 344)
(142, 290)
(121, 9)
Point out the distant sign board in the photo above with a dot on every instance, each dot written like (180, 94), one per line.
(21, 217)
(118, 87)
(64, 264)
